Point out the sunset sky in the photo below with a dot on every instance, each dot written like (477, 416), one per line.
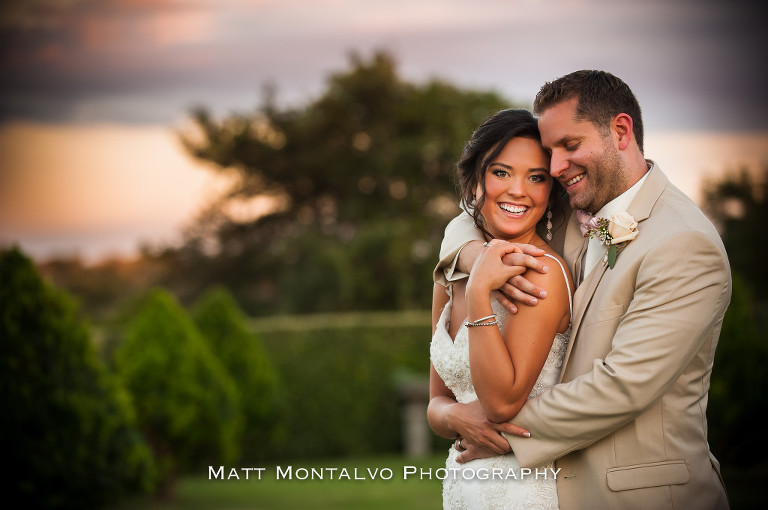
(94, 91)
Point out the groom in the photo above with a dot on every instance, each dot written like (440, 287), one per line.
(627, 423)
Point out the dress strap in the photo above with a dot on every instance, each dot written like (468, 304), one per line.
(567, 284)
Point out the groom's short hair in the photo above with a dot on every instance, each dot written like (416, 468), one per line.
(601, 96)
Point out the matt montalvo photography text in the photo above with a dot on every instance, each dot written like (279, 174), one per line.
(376, 473)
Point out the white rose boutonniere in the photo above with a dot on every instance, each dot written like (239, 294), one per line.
(621, 228)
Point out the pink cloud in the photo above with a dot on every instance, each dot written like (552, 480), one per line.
(165, 29)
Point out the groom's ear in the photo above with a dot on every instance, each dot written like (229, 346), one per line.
(621, 130)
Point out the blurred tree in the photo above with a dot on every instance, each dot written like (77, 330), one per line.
(737, 404)
(68, 430)
(186, 403)
(224, 325)
(103, 287)
(348, 195)
(738, 204)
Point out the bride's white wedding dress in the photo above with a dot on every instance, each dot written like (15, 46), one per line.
(494, 482)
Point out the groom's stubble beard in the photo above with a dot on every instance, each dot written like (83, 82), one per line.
(606, 180)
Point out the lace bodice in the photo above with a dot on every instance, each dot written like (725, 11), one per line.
(450, 357)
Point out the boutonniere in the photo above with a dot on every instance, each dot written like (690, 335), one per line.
(621, 228)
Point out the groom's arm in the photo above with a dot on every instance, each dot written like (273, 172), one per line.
(673, 319)
(458, 234)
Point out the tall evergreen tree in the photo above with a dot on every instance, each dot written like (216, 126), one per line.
(67, 430)
(187, 405)
(225, 326)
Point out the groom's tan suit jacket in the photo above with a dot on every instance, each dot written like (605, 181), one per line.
(627, 423)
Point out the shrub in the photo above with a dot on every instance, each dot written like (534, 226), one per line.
(225, 327)
(186, 403)
(67, 427)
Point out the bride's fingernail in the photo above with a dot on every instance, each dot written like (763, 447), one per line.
(527, 434)
(543, 294)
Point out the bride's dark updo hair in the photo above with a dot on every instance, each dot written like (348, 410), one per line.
(484, 146)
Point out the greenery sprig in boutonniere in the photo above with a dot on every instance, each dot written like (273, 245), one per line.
(621, 228)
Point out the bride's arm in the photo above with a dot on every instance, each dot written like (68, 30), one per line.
(506, 364)
(450, 419)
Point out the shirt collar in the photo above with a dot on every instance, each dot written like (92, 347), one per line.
(621, 203)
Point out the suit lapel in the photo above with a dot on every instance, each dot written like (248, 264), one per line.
(578, 266)
(581, 299)
(640, 209)
(574, 244)
(584, 294)
(646, 197)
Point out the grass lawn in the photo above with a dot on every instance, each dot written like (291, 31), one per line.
(745, 487)
(339, 493)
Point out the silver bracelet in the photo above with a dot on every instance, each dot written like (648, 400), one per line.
(479, 322)
(473, 324)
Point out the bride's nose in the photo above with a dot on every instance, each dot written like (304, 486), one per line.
(516, 187)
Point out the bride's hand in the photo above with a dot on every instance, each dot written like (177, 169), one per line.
(517, 259)
(489, 271)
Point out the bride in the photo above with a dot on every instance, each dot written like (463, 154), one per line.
(485, 363)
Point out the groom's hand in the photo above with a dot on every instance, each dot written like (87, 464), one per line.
(479, 437)
(517, 288)
(471, 451)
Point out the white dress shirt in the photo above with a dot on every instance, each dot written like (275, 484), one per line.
(595, 250)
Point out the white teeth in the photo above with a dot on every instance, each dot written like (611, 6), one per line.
(514, 209)
(574, 180)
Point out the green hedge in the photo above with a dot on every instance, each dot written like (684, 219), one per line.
(340, 374)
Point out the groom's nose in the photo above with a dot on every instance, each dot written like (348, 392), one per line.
(558, 164)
